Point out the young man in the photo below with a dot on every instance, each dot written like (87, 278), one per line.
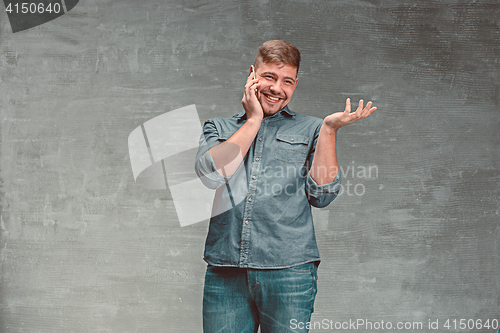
(269, 165)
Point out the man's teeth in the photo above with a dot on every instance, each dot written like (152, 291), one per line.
(272, 98)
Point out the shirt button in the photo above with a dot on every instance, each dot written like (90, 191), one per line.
(246, 221)
(254, 177)
(250, 199)
(291, 139)
(257, 159)
(260, 139)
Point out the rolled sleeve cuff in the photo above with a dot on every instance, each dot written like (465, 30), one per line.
(322, 195)
(207, 171)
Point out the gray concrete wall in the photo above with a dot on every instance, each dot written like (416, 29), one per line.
(84, 249)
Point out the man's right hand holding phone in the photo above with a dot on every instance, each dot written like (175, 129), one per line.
(250, 102)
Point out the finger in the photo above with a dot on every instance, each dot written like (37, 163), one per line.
(357, 113)
(360, 107)
(255, 86)
(372, 110)
(365, 113)
(250, 83)
(250, 76)
(369, 112)
(250, 90)
(347, 106)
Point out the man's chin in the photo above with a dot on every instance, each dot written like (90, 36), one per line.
(269, 111)
(266, 114)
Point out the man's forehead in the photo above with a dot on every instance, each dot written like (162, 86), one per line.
(278, 65)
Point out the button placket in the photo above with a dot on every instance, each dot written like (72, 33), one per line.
(252, 186)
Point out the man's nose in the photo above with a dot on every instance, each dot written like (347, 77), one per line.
(275, 88)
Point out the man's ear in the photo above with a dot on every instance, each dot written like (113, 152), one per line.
(296, 81)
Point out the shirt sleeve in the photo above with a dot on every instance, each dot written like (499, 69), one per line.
(320, 195)
(204, 164)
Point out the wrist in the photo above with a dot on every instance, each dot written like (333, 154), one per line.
(328, 129)
(253, 124)
(256, 120)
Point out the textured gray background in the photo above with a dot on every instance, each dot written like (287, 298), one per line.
(84, 249)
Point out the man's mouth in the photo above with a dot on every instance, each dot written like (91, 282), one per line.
(272, 99)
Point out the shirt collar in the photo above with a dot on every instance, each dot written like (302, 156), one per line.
(285, 111)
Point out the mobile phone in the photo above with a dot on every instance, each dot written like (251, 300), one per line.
(254, 77)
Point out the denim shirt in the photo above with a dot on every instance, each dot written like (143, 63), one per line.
(261, 217)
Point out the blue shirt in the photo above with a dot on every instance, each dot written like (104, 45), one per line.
(261, 216)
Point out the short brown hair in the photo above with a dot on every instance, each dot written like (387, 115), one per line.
(279, 51)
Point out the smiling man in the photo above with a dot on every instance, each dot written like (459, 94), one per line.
(261, 251)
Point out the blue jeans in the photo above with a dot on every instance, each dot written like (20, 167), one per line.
(238, 300)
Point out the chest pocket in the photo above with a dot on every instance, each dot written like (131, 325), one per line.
(291, 148)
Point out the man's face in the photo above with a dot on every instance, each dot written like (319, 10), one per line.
(277, 84)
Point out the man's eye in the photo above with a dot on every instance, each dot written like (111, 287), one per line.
(288, 82)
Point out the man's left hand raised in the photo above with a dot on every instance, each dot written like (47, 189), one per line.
(338, 119)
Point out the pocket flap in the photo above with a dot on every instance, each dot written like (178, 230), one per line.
(292, 138)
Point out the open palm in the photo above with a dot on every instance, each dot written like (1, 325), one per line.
(339, 119)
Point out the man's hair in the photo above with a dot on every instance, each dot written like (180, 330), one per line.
(278, 51)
